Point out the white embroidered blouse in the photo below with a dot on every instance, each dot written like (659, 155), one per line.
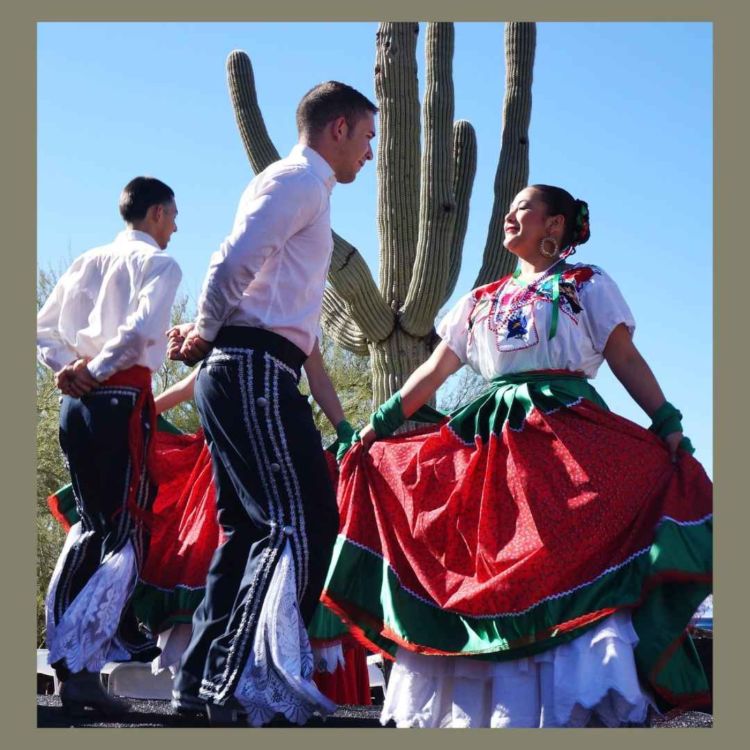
(504, 327)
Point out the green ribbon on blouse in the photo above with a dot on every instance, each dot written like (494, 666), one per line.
(555, 306)
(555, 301)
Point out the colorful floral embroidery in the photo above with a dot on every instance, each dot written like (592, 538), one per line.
(508, 308)
(517, 326)
(569, 297)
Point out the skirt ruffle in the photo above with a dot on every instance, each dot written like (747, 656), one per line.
(592, 676)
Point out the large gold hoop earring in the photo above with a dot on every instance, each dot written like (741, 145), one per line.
(548, 253)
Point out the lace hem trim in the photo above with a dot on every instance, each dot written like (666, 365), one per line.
(85, 635)
(278, 675)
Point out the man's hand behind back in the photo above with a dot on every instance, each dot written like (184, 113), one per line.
(75, 379)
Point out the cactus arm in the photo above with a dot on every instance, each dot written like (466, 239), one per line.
(513, 167)
(437, 202)
(354, 285)
(260, 149)
(338, 323)
(397, 164)
(465, 160)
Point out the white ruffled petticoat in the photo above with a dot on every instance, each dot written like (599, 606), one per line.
(278, 675)
(329, 658)
(172, 643)
(85, 635)
(594, 674)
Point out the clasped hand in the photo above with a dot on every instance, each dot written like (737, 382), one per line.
(185, 345)
(75, 379)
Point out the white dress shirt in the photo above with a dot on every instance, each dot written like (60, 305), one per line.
(270, 272)
(112, 305)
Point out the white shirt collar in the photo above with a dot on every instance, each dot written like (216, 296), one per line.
(136, 234)
(319, 165)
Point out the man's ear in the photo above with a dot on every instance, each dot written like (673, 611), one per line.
(154, 212)
(339, 128)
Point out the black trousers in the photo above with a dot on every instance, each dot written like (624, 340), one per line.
(94, 439)
(272, 485)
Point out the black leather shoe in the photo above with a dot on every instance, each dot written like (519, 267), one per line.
(229, 714)
(84, 690)
(188, 705)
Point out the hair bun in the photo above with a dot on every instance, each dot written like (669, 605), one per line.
(582, 231)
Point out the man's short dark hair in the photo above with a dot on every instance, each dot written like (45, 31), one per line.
(140, 194)
(326, 102)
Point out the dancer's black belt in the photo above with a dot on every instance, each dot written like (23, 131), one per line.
(260, 338)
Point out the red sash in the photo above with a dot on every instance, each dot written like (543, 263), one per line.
(138, 377)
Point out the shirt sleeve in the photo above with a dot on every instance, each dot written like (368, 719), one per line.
(604, 308)
(51, 348)
(279, 209)
(147, 324)
(454, 330)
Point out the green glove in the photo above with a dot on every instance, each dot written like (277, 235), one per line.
(388, 417)
(668, 419)
(346, 436)
(686, 445)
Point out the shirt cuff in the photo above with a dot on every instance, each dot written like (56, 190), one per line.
(98, 370)
(59, 360)
(207, 329)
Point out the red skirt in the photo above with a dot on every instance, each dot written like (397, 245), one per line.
(527, 517)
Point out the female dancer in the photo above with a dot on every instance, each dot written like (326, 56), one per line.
(534, 560)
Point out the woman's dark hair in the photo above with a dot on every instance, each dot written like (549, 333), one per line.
(326, 102)
(140, 194)
(574, 211)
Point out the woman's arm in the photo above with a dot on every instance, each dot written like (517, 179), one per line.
(421, 385)
(321, 387)
(632, 370)
(177, 393)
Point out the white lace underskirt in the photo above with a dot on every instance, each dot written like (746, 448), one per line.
(172, 643)
(85, 635)
(278, 675)
(594, 674)
(329, 658)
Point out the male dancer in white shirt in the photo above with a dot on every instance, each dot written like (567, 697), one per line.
(102, 330)
(259, 316)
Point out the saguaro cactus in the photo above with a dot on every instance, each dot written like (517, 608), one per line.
(423, 197)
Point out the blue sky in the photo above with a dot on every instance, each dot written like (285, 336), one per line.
(621, 117)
